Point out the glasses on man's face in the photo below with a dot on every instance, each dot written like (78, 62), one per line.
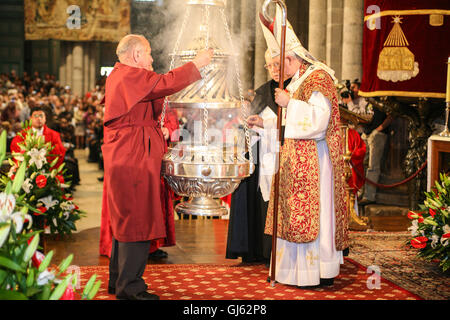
(39, 115)
(275, 65)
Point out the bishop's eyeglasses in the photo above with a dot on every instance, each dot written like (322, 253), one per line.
(275, 65)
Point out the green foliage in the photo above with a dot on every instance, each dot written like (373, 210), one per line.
(41, 186)
(431, 225)
(22, 275)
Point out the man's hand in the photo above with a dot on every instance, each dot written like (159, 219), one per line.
(255, 120)
(203, 58)
(282, 98)
(165, 132)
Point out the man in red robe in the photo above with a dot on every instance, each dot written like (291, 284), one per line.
(38, 120)
(132, 151)
(169, 132)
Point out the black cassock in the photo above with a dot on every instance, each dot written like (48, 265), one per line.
(248, 210)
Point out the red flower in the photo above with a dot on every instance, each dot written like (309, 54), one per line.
(419, 242)
(29, 240)
(68, 294)
(60, 178)
(42, 210)
(446, 236)
(41, 181)
(415, 215)
(67, 198)
(13, 176)
(37, 258)
(432, 212)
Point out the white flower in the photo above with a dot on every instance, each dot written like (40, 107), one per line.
(446, 229)
(67, 206)
(12, 171)
(19, 157)
(49, 202)
(66, 215)
(27, 185)
(44, 277)
(445, 241)
(7, 204)
(414, 228)
(434, 240)
(38, 157)
(19, 218)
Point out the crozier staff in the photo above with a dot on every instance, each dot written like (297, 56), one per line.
(133, 149)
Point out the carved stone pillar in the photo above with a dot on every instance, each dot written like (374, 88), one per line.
(317, 28)
(247, 51)
(63, 64)
(334, 35)
(77, 69)
(261, 75)
(352, 36)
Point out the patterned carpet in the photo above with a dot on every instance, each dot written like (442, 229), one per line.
(399, 264)
(249, 282)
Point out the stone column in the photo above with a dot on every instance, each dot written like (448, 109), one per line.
(317, 28)
(63, 64)
(352, 39)
(93, 65)
(247, 36)
(261, 75)
(334, 36)
(69, 64)
(77, 69)
(86, 65)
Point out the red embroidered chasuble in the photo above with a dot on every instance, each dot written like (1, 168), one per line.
(299, 186)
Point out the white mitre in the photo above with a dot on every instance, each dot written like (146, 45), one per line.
(293, 44)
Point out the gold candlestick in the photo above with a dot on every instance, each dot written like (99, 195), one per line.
(446, 132)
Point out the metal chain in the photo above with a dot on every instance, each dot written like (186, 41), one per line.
(205, 105)
(244, 111)
(172, 60)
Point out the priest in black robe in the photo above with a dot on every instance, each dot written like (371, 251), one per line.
(249, 202)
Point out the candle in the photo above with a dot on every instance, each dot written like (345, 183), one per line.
(447, 97)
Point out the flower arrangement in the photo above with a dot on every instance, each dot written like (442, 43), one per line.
(24, 271)
(44, 187)
(430, 227)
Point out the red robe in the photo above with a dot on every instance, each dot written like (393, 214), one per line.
(133, 149)
(50, 136)
(357, 147)
(167, 195)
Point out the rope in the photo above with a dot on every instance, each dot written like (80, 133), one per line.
(386, 186)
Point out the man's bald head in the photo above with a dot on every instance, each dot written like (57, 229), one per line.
(135, 50)
(130, 42)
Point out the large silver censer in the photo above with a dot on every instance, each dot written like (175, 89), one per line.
(209, 160)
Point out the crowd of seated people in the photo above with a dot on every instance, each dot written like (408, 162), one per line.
(78, 119)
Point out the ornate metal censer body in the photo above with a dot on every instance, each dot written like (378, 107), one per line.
(208, 161)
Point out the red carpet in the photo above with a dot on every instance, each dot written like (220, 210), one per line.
(248, 282)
